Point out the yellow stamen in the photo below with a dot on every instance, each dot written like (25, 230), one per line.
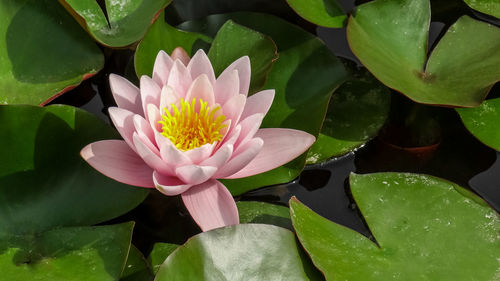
(189, 128)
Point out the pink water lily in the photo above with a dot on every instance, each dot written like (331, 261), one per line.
(184, 129)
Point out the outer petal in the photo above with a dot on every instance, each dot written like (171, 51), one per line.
(249, 127)
(258, 103)
(241, 157)
(201, 89)
(126, 94)
(195, 174)
(150, 92)
(200, 64)
(233, 108)
(143, 127)
(124, 123)
(161, 69)
(179, 78)
(227, 86)
(211, 205)
(181, 55)
(115, 159)
(243, 66)
(169, 186)
(280, 146)
(151, 158)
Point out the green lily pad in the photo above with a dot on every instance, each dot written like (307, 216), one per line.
(426, 229)
(44, 183)
(121, 24)
(327, 13)
(160, 253)
(43, 51)
(304, 77)
(137, 267)
(483, 122)
(162, 36)
(260, 212)
(240, 252)
(234, 41)
(490, 7)
(356, 113)
(457, 72)
(95, 253)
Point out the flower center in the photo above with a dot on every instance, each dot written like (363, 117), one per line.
(192, 126)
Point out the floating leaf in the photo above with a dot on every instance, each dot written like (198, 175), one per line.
(304, 77)
(484, 122)
(260, 212)
(356, 112)
(121, 24)
(490, 7)
(240, 252)
(44, 183)
(327, 13)
(162, 36)
(137, 267)
(234, 41)
(43, 51)
(95, 253)
(160, 253)
(457, 72)
(426, 229)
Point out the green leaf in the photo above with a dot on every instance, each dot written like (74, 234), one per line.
(44, 183)
(121, 24)
(457, 72)
(43, 51)
(304, 77)
(71, 253)
(260, 212)
(234, 41)
(426, 229)
(162, 36)
(356, 112)
(137, 267)
(483, 122)
(240, 252)
(327, 13)
(160, 253)
(490, 7)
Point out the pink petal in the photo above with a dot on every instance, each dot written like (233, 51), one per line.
(241, 157)
(124, 123)
(143, 127)
(172, 156)
(220, 157)
(167, 98)
(115, 159)
(280, 147)
(151, 158)
(153, 116)
(126, 94)
(179, 78)
(161, 69)
(231, 136)
(227, 86)
(179, 54)
(200, 64)
(233, 108)
(258, 103)
(211, 205)
(150, 92)
(201, 89)
(169, 186)
(249, 127)
(195, 174)
(243, 66)
(201, 153)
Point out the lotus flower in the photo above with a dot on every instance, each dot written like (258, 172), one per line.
(184, 129)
